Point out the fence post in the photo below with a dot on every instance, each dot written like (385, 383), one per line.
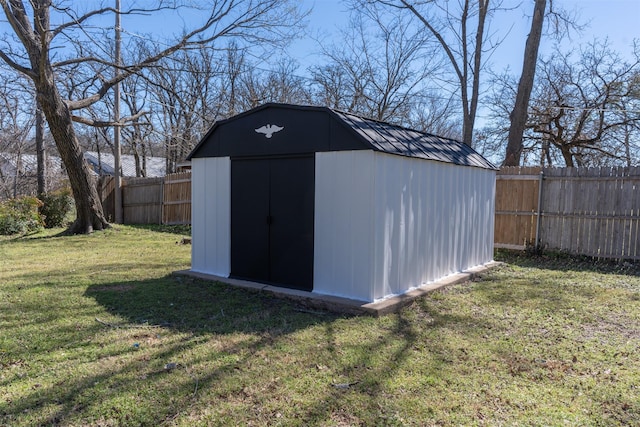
(539, 218)
(162, 221)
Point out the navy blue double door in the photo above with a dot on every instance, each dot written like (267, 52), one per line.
(272, 214)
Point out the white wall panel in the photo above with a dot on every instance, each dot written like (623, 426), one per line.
(198, 222)
(343, 243)
(431, 220)
(211, 215)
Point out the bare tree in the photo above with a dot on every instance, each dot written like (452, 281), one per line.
(135, 92)
(461, 35)
(436, 114)
(30, 52)
(16, 122)
(183, 91)
(559, 23)
(577, 109)
(518, 115)
(583, 111)
(282, 84)
(379, 69)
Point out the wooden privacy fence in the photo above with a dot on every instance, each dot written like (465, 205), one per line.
(150, 200)
(587, 211)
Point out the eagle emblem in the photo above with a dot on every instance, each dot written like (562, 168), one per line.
(268, 130)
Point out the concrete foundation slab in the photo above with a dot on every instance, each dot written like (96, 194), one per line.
(345, 305)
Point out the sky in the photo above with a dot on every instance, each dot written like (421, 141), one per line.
(617, 20)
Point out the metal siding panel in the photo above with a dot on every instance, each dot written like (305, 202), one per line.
(222, 206)
(322, 258)
(397, 216)
(489, 212)
(448, 221)
(468, 202)
(343, 224)
(428, 203)
(211, 217)
(198, 223)
(475, 213)
(443, 222)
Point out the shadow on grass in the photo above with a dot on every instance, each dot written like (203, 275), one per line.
(197, 306)
(566, 262)
(231, 370)
(205, 308)
(47, 234)
(33, 236)
(182, 230)
(199, 311)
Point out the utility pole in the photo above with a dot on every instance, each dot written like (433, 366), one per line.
(116, 129)
(40, 152)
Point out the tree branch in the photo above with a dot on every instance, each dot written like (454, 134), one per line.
(17, 17)
(76, 21)
(439, 37)
(187, 40)
(27, 71)
(124, 121)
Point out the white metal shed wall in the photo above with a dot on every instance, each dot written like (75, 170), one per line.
(211, 215)
(385, 224)
(432, 219)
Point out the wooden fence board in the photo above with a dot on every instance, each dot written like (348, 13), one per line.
(142, 200)
(106, 186)
(150, 200)
(176, 207)
(516, 207)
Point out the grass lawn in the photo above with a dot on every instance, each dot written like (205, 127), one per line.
(94, 330)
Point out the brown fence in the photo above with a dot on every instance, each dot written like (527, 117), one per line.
(142, 200)
(176, 205)
(516, 207)
(106, 186)
(150, 200)
(587, 211)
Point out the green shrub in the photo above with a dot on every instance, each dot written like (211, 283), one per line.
(56, 206)
(19, 216)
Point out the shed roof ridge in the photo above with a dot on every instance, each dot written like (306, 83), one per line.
(401, 127)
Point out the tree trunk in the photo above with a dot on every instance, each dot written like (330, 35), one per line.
(469, 120)
(567, 156)
(89, 214)
(519, 114)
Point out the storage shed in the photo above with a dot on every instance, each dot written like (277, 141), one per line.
(328, 202)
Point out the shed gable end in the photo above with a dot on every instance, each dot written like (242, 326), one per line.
(274, 130)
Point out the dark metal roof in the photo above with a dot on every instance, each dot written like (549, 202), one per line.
(357, 133)
(394, 139)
